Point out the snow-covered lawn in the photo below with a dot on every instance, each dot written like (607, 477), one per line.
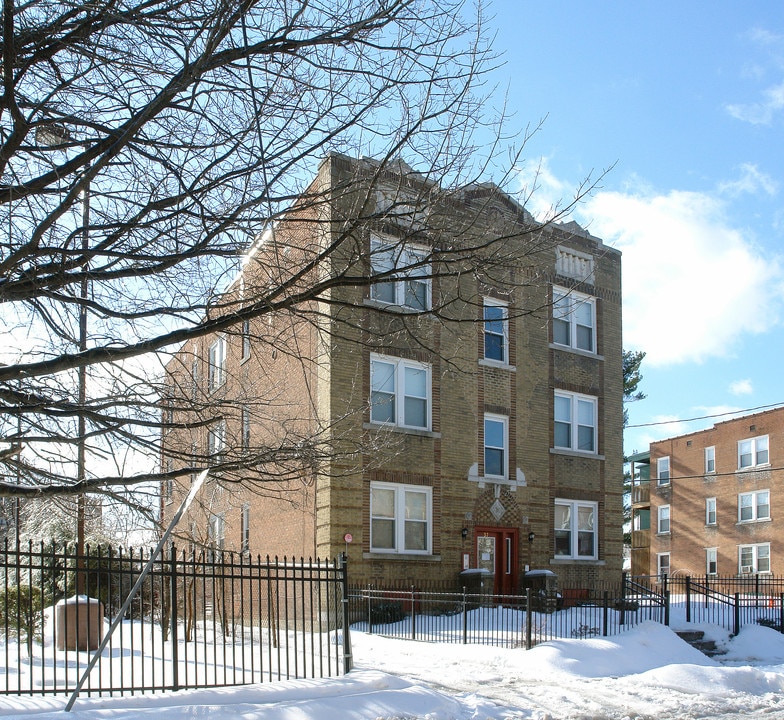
(645, 673)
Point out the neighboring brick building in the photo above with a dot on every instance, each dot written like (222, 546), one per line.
(488, 434)
(713, 499)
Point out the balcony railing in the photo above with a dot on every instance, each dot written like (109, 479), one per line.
(641, 494)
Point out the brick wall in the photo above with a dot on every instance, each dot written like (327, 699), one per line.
(690, 486)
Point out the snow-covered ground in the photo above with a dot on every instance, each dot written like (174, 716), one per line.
(646, 673)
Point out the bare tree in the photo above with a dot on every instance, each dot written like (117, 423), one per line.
(144, 148)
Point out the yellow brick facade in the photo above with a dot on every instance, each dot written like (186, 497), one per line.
(323, 382)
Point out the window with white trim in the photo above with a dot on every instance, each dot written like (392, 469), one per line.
(216, 441)
(663, 470)
(496, 330)
(168, 483)
(663, 564)
(216, 531)
(245, 528)
(245, 422)
(400, 518)
(711, 561)
(575, 529)
(574, 320)
(710, 459)
(405, 274)
(710, 511)
(216, 364)
(245, 339)
(753, 452)
(663, 525)
(754, 558)
(754, 506)
(496, 446)
(400, 392)
(195, 377)
(575, 422)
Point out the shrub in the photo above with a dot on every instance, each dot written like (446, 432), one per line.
(21, 612)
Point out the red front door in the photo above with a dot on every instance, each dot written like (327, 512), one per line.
(496, 550)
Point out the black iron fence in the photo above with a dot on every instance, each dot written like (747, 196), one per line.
(728, 601)
(569, 612)
(504, 620)
(199, 620)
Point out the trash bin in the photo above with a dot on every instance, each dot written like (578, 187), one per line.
(79, 623)
(478, 582)
(544, 589)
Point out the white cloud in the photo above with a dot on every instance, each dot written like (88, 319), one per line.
(544, 193)
(763, 112)
(751, 181)
(741, 387)
(693, 285)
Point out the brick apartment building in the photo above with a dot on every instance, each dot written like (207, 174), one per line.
(473, 419)
(713, 499)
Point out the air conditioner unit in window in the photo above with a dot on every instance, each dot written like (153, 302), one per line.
(746, 569)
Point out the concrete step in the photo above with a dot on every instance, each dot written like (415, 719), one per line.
(696, 638)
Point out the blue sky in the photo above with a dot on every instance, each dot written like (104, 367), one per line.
(686, 99)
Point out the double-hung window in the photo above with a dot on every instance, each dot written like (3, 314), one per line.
(245, 339)
(575, 422)
(403, 274)
(574, 320)
(575, 529)
(496, 446)
(400, 392)
(710, 511)
(711, 561)
(753, 452)
(245, 421)
(217, 364)
(663, 564)
(663, 470)
(754, 506)
(216, 441)
(664, 519)
(496, 330)
(710, 460)
(754, 558)
(245, 528)
(401, 518)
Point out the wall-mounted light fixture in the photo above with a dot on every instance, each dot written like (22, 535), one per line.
(464, 533)
(531, 537)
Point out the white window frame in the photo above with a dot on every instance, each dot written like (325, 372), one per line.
(492, 331)
(195, 376)
(398, 391)
(754, 558)
(711, 557)
(245, 428)
(663, 519)
(245, 340)
(245, 528)
(751, 501)
(663, 471)
(394, 259)
(710, 460)
(400, 518)
(576, 403)
(711, 517)
(216, 359)
(661, 565)
(753, 452)
(216, 530)
(216, 441)
(503, 420)
(574, 530)
(567, 305)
